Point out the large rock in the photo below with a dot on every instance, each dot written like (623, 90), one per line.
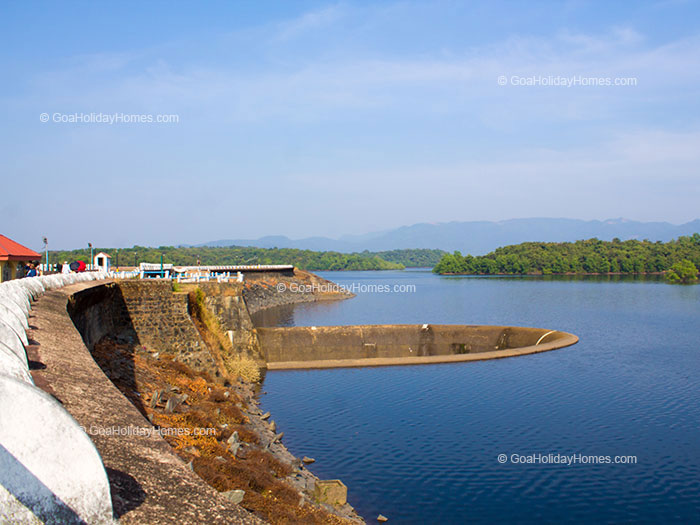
(50, 471)
(234, 495)
(331, 491)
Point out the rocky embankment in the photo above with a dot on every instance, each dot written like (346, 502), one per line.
(219, 431)
(269, 291)
(242, 454)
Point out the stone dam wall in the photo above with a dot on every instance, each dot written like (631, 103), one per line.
(145, 313)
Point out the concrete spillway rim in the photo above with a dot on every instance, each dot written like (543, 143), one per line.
(567, 340)
(545, 335)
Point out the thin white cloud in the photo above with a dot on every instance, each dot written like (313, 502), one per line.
(308, 22)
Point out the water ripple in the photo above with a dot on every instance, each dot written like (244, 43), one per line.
(420, 444)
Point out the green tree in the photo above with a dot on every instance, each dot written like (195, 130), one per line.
(682, 272)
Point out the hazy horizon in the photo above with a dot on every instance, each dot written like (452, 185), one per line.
(343, 236)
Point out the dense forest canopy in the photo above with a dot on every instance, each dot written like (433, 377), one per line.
(303, 259)
(580, 257)
(418, 258)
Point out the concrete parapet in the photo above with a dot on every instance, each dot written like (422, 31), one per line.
(49, 468)
(14, 318)
(12, 294)
(16, 326)
(13, 366)
(50, 471)
(10, 307)
(10, 339)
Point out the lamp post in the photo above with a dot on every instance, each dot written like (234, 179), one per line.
(161, 266)
(46, 249)
(90, 246)
(117, 261)
(136, 256)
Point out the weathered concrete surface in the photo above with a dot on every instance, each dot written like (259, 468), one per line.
(381, 345)
(10, 339)
(148, 482)
(49, 468)
(14, 320)
(13, 294)
(12, 309)
(13, 366)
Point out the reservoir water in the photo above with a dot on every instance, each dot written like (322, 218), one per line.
(421, 444)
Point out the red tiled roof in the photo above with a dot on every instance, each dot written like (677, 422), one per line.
(13, 251)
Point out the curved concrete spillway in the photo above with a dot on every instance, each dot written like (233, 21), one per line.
(383, 345)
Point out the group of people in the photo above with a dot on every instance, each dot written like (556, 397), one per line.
(34, 269)
(31, 270)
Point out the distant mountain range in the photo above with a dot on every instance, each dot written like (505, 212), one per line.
(478, 237)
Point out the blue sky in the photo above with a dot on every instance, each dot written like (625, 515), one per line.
(317, 118)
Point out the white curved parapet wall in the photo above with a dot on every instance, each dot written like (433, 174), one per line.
(50, 471)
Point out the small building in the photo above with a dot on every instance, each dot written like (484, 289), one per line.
(155, 271)
(13, 258)
(101, 262)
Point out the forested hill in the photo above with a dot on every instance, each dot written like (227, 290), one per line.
(580, 257)
(303, 259)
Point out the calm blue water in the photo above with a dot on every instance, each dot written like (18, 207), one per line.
(420, 444)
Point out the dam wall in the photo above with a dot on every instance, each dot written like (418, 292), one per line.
(100, 457)
(372, 345)
(226, 303)
(147, 314)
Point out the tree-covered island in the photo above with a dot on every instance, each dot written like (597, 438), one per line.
(591, 256)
